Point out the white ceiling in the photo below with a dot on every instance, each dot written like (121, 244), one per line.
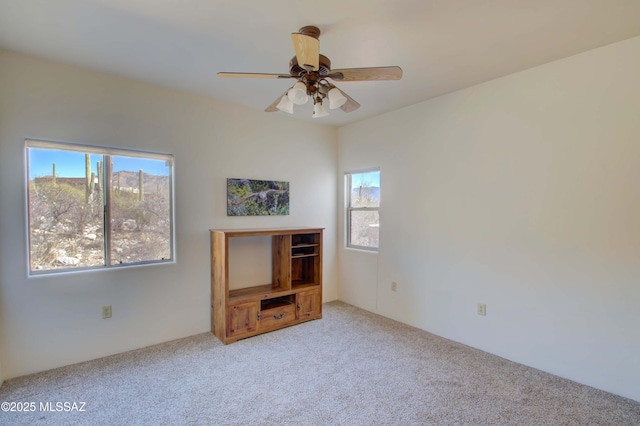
(441, 45)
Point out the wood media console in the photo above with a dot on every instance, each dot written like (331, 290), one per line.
(293, 296)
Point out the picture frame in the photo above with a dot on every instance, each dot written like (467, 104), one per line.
(252, 197)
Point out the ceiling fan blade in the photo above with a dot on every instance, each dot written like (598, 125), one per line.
(273, 106)
(251, 75)
(365, 74)
(307, 50)
(350, 105)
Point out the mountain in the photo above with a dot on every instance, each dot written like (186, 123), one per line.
(151, 183)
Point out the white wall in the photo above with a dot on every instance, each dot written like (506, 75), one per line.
(51, 321)
(522, 193)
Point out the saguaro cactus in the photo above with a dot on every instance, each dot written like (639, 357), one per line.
(140, 186)
(87, 174)
(53, 174)
(100, 175)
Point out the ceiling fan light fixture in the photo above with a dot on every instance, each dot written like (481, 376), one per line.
(336, 98)
(298, 93)
(310, 69)
(285, 105)
(319, 110)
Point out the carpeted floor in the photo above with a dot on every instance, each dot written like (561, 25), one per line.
(350, 368)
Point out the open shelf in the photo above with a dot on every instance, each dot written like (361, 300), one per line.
(260, 291)
(278, 302)
(299, 285)
(297, 256)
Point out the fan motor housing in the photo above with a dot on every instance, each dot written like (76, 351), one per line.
(324, 67)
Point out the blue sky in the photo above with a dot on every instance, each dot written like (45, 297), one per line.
(71, 164)
(371, 178)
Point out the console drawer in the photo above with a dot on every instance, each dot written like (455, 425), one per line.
(278, 315)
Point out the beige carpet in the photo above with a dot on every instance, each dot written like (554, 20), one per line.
(350, 368)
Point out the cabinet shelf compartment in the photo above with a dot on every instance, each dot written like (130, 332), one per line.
(298, 240)
(304, 247)
(277, 302)
(301, 285)
(305, 269)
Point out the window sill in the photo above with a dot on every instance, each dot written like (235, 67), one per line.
(362, 250)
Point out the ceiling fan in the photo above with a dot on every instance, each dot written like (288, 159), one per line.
(312, 71)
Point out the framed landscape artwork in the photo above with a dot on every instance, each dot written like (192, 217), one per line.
(249, 197)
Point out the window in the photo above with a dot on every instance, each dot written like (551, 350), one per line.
(93, 207)
(363, 205)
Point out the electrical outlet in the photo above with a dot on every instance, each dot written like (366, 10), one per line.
(394, 286)
(106, 312)
(482, 309)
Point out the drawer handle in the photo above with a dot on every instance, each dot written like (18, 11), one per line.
(298, 305)
(279, 316)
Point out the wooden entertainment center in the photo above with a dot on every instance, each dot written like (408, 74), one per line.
(293, 296)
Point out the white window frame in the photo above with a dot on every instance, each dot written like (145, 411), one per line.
(105, 151)
(349, 209)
